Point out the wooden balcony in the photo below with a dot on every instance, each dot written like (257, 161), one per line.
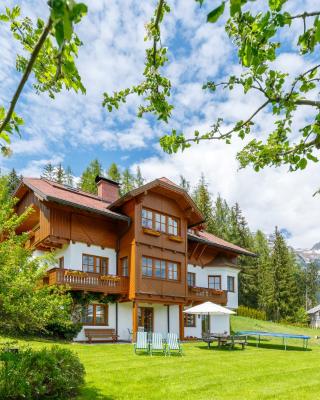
(201, 294)
(78, 280)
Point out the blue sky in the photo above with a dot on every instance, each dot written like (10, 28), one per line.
(74, 129)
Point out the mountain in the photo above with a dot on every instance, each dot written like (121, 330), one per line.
(309, 255)
(316, 246)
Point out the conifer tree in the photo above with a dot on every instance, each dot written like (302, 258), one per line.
(60, 175)
(87, 180)
(310, 283)
(220, 225)
(127, 182)
(285, 301)
(139, 180)
(48, 172)
(202, 198)
(13, 180)
(69, 180)
(114, 173)
(184, 183)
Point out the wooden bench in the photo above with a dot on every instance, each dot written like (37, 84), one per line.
(233, 340)
(107, 334)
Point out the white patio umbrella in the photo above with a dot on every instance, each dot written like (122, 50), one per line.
(208, 308)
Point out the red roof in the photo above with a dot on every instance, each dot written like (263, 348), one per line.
(218, 242)
(53, 191)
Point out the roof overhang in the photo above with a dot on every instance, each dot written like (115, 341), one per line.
(221, 246)
(193, 214)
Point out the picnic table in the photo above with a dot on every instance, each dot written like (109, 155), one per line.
(225, 340)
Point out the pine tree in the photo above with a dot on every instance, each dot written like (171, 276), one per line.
(69, 180)
(220, 225)
(127, 182)
(114, 173)
(139, 180)
(87, 180)
(184, 183)
(13, 180)
(309, 279)
(265, 283)
(60, 175)
(285, 301)
(202, 198)
(48, 172)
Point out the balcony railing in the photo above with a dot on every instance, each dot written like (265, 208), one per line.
(196, 293)
(79, 280)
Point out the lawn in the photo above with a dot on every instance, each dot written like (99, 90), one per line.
(268, 372)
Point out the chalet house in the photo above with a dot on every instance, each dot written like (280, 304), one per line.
(314, 314)
(147, 249)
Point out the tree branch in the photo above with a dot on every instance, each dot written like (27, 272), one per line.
(156, 26)
(305, 15)
(26, 74)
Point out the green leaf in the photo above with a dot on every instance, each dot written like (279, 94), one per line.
(276, 5)
(4, 18)
(302, 163)
(235, 7)
(59, 33)
(67, 27)
(215, 14)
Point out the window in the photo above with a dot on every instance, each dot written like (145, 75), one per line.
(96, 264)
(172, 226)
(147, 219)
(95, 314)
(160, 269)
(147, 266)
(189, 321)
(191, 279)
(61, 262)
(124, 266)
(230, 284)
(159, 222)
(214, 282)
(172, 271)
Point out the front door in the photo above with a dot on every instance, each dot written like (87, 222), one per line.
(205, 324)
(145, 318)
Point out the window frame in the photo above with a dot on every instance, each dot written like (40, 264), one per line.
(190, 321)
(95, 266)
(164, 266)
(171, 229)
(94, 314)
(193, 274)
(232, 278)
(122, 260)
(214, 277)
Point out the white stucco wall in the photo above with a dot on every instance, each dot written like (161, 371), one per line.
(124, 320)
(72, 254)
(202, 280)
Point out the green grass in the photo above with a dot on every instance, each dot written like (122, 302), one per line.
(268, 372)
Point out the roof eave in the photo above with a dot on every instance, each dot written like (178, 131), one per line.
(221, 246)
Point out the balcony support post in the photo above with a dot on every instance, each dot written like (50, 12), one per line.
(181, 322)
(134, 320)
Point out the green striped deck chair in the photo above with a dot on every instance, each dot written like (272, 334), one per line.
(173, 343)
(157, 343)
(141, 342)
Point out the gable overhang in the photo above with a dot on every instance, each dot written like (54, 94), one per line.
(185, 202)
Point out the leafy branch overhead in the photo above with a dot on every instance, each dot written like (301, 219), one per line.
(256, 36)
(50, 50)
(155, 89)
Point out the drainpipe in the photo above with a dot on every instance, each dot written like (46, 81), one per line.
(168, 317)
(117, 318)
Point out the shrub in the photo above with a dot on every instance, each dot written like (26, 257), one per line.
(63, 330)
(251, 313)
(54, 373)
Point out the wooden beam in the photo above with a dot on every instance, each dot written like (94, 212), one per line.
(194, 250)
(134, 319)
(201, 252)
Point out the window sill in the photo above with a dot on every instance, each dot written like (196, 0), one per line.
(175, 238)
(151, 232)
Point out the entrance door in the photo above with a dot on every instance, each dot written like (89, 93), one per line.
(145, 318)
(205, 324)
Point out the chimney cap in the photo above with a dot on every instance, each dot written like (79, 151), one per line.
(102, 178)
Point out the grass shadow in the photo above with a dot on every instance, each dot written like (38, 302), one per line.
(90, 393)
(221, 348)
(277, 346)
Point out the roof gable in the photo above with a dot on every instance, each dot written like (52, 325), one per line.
(167, 188)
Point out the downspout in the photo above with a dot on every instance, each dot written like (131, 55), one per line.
(168, 317)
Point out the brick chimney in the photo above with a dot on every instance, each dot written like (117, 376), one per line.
(108, 190)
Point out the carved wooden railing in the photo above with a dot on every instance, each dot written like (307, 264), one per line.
(88, 281)
(196, 293)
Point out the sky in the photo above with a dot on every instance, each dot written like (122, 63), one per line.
(74, 129)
